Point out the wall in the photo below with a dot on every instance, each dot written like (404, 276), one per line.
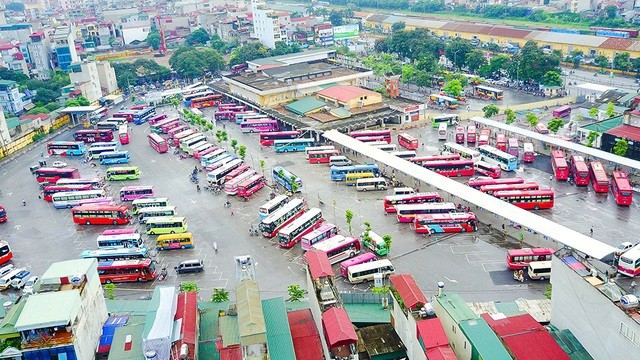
(407, 330)
(27, 139)
(88, 328)
(139, 33)
(454, 334)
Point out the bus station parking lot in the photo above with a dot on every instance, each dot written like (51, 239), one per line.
(472, 264)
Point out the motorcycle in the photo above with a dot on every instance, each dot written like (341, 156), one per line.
(163, 275)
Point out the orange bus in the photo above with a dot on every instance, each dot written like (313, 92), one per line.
(408, 142)
(131, 270)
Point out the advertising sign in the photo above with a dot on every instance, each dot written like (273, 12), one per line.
(346, 31)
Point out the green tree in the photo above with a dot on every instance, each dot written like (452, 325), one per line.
(591, 138)
(531, 63)
(262, 164)
(397, 26)
(635, 65)
(387, 242)
(38, 110)
(427, 63)
(198, 37)
(622, 61)
(188, 286)
(335, 18)
(475, 59)
(7, 74)
(52, 106)
(456, 51)
(174, 102)
(555, 124)
(575, 57)
(601, 61)
(532, 119)
(453, 88)
(510, 116)
(551, 78)
(621, 147)
(593, 112)
(349, 217)
(548, 291)
(234, 145)
(110, 289)
(248, 52)
(380, 290)
(242, 152)
(194, 62)
(219, 295)
(490, 110)
(153, 40)
(611, 109)
(611, 11)
(296, 293)
(367, 226)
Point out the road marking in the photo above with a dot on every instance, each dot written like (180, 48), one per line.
(17, 227)
(192, 201)
(450, 280)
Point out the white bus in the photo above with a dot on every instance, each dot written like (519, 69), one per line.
(155, 211)
(120, 241)
(272, 205)
(365, 272)
(385, 147)
(494, 156)
(108, 125)
(463, 151)
(139, 204)
(629, 263)
(219, 175)
(339, 248)
(539, 270)
(318, 148)
(442, 131)
(376, 183)
(94, 153)
(73, 198)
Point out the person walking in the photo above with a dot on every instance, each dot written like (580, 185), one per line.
(24, 202)
(215, 246)
(591, 231)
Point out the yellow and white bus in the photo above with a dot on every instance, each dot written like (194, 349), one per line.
(175, 241)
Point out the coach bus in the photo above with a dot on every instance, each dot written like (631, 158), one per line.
(206, 101)
(471, 134)
(91, 136)
(122, 173)
(231, 185)
(339, 248)
(199, 154)
(406, 213)
(375, 243)
(579, 170)
(487, 169)
(143, 203)
(519, 259)
(251, 185)
(48, 191)
(490, 189)
(386, 134)
(285, 178)
(528, 155)
(158, 143)
(513, 148)
(157, 127)
(451, 168)
(219, 175)
(528, 199)
(292, 145)
(114, 157)
(130, 240)
(360, 259)
(110, 125)
(562, 111)
(259, 125)
(487, 92)
(95, 182)
(463, 151)
(497, 157)
(480, 181)
(339, 173)
(267, 138)
(116, 254)
(176, 130)
(291, 234)
(449, 119)
(559, 165)
(447, 157)
(123, 134)
(322, 156)
(501, 142)
(126, 271)
(484, 137)
(272, 205)
(174, 241)
(324, 232)
(383, 146)
(126, 114)
(599, 178)
(130, 193)
(166, 225)
(445, 223)
(143, 115)
(52, 175)
(101, 214)
(391, 201)
(157, 211)
(156, 118)
(408, 142)
(66, 148)
(621, 189)
(367, 271)
(72, 198)
(629, 263)
(271, 225)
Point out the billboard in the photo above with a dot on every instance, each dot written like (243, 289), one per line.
(346, 31)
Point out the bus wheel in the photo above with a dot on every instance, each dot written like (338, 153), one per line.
(68, 206)
(88, 222)
(352, 254)
(182, 247)
(115, 222)
(173, 232)
(108, 281)
(542, 278)
(536, 207)
(139, 279)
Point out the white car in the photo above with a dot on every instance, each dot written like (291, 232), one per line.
(28, 286)
(59, 164)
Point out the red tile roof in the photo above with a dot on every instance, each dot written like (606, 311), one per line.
(338, 328)
(300, 19)
(319, 265)
(509, 32)
(38, 33)
(34, 117)
(408, 291)
(304, 334)
(625, 131)
(616, 44)
(344, 93)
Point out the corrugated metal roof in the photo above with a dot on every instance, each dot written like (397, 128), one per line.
(484, 340)
(569, 343)
(7, 325)
(392, 19)
(580, 40)
(67, 269)
(538, 345)
(626, 131)
(305, 336)
(250, 317)
(441, 353)
(49, 309)
(635, 46)
(505, 326)
(229, 330)
(279, 339)
(509, 32)
(120, 351)
(453, 304)
(338, 328)
(209, 325)
(377, 18)
(423, 23)
(408, 290)
(340, 112)
(365, 313)
(303, 106)
(129, 307)
(432, 333)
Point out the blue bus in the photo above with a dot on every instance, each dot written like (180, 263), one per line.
(68, 148)
(292, 145)
(143, 115)
(116, 254)
(244, 117)
(114, 157)
(284, 177)
(240, 116)
(339, 173)
(213, 160)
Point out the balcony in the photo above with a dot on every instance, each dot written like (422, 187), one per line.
(46, 338)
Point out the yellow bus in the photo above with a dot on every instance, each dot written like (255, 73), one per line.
(352, 178)
(175, 241)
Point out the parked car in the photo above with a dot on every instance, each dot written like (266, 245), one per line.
(59, 164)
(188, 266)
(30, 284)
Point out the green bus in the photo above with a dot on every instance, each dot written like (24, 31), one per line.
(166, 225)
(123, 173)
(375, 243)
(138, 204)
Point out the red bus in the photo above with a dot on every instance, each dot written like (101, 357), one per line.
(559, 165)
(91, 136)
(501, 142)
(139, 107)
(528, 199)
(206, 101)
(459, 135)
(49, 190)
(485, 135)
(158, 143)
(251, 185)
(407, 141)
(451, 168)
(127, 115)
(232, 107)
(51, 175)
(518, 259)
(181, 135)
(321, 157)
(484, 168)
(237, 171)
(154, 119)
(490, 189)
(116, 271)
(421, 159)
(386, 134)
(224, 115)
(621, 189)
(368, 139)
(480, 181)
(599, 178)
(579, 170)
(562, 111)
(123, 134)
(471, 134)
(101, 214)
(3, 214)
(445, 223)
(528, 155)
(271, 225)
(176, 130)
(239, 68)
(390, 202)
(5, 252)
(292, 233)
(267, 138)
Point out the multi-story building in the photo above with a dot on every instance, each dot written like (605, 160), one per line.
(135, 31)
(266, 24)
(323, 34)
(66, 313)
(40, 54)
(16, 32)
(107, 77)
(10, 97)
(12, 58)
(84, 76)
(64, 46)
(5, 137)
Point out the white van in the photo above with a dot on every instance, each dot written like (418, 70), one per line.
(376, 183)
(339, 160)
(403, 191)
(30, 285)
(539, 270)
(442, 131)
(19, 280)
(5, 281)
(5, 270)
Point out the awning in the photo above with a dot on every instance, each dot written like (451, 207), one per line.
(319, 265)
(338, 328)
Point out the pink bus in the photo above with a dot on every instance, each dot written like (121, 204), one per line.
(130, 193)
(100, 200)
(176, 130)
(122, 231)
(360, 259)
(259, 125)
(528, 155)
(198, 154)
(154, 119)
(225, 115)
(181, 135)
(322, 233)
(170, 125)
(231, 186)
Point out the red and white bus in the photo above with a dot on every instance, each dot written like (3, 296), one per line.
(490, 189)
(156, 118)
(518, 259)
(181, 135)
(459, 135)
(291, 234)
(406, 213)
(117, 271)
(51, 175)
(360, 259)
(158, 143)
(251, 185)
(127, 115)
(339, 248)
(445, 223)
(231, 186)
(471, 134)
(267, 138)
(100, 214)
(485, 136)
(621, 188)
(225, 115)
(513, 148)
(238, 68)
(91, 136)
(325, 231)
(164, 128)
(206, 101)
(130, 193)
(451, 168)
(528, 155)
(237, 171)
(390, 202)
(562, 111)
(372, 139)
(198, 154)
(528, 199)
(408, 142)
(272, 224)
(501, 142)
(599, 178)
(629, 263)
(123, 134)
(95, 183)
(559, 165)
(176, 130)
(321, 157)
(5, 252)
(579, 170)
(484, 168)
(422, 159)
(480, 181)
(3, 214)
(139, 107)
(386, 134)
(48, 191)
